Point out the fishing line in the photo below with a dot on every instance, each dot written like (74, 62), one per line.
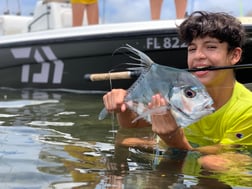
(156, 150)
(155, 137)
(116, 68)
(113, 120)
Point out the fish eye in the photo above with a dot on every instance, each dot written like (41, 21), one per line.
(189, 92)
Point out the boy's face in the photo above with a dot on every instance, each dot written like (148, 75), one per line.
(208, 51)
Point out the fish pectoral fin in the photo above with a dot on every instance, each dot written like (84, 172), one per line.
(137, 118)
(161, 110)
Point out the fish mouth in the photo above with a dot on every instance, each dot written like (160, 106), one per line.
(182, 112)
(207, 107)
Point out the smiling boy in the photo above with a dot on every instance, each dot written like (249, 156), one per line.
(214, 39)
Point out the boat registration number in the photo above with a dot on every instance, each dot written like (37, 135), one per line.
(164, 43)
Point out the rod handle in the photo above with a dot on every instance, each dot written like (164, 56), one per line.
(111, 76)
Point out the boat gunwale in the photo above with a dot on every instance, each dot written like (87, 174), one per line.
(90, 33)
(98, 32)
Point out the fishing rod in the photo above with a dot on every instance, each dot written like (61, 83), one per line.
(236, 67)
(135, 74)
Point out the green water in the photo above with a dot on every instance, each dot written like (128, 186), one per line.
(54, 140)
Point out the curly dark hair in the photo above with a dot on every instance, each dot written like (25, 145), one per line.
(221, 26)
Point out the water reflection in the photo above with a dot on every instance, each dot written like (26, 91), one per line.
(20, 151)
(54, 140)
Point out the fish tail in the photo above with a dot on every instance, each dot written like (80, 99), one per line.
(103, 114)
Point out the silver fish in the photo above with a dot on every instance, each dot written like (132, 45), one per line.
(186, 96)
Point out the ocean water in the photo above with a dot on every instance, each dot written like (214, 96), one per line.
(53, 139)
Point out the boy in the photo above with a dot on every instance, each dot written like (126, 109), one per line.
(214, 39)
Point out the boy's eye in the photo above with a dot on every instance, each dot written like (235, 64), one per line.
(211, 47)
(191, 49)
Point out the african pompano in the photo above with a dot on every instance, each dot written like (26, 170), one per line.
(186, 96)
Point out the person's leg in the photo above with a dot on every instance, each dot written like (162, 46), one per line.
(155, 7)
(180, 8)
(92, 14)
(77, 12)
